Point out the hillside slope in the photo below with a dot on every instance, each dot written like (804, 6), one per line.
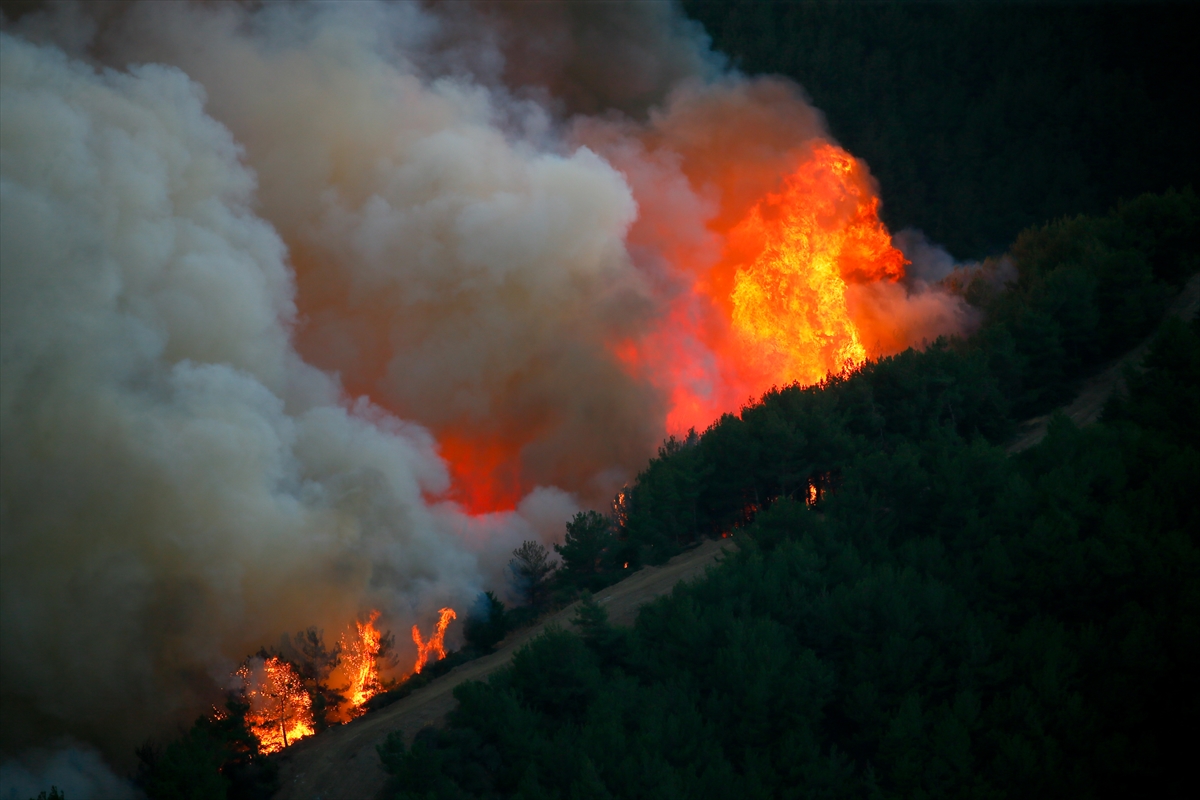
(1089, 402)
(342, 762)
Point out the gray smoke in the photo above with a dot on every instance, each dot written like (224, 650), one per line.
(179, 486)
(259, 259)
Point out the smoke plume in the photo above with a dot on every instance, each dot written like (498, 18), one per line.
(314, 308)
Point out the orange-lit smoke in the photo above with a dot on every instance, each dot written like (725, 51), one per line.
(280, 707)
(548, 313)
(485, 474)
(435, 645)
(756, 227)
(312, 270)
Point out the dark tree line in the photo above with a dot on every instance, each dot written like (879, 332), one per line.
(910, 612)
(982, 118)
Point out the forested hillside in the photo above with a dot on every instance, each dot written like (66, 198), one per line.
(982, 118)
(909, 612)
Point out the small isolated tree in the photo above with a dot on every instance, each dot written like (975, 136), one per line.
(531, 567)
(589, 537)
(486, 624)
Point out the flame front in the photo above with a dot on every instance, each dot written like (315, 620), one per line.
(773, 311)
(789, 304)
(280, 707)
(359, 657)
(436, 642)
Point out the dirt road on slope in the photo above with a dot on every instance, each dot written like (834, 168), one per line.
(341, 763)
(1089, 403)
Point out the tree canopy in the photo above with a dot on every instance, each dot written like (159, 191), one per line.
(910, 611)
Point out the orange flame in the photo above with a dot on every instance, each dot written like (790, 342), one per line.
(773, 311)
(436, 642)
(280, 708)
(789, 304)
(359, 657)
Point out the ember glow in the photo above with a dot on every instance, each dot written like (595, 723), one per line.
(280, 708)
(435, 644)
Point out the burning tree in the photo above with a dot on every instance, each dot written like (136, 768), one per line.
(435, 645)
(280, 706)
(290, 692)
(360, 658)
(315, 663)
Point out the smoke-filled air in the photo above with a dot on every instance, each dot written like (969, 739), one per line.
(311, 310)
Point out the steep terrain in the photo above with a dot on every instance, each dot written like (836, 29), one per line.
(342, 762)
(1089, 402)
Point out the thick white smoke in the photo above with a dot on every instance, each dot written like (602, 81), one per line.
(454, 260)
(226, 226)
(178, 485)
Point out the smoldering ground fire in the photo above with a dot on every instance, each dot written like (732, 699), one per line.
(313, 309)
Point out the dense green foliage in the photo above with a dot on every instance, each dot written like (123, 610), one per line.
(592, 556)
(982, 118)
(1079, 292)
(944, 620)
(217, 758)
(486, 623)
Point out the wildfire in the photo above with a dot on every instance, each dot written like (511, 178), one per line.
(359, 659)
(620, 507)
(435, 643)
(280, 707)
(789, 303)
(774, 310)
(281, 702)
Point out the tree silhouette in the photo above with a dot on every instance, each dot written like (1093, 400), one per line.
(531, 567)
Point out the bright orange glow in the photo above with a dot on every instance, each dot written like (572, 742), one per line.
(620, 508)
(435, 645)
(758, 283)
(773, 311)
(770, 312)
(280, 708)
(485, 476)
(359, 660)
(789, 304)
